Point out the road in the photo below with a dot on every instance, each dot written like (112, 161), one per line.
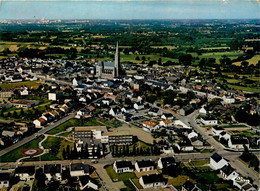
(39, 133)
(233, 159)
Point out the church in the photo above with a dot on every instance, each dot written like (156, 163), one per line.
(109, 70)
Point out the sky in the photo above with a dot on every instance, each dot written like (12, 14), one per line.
(128, 9)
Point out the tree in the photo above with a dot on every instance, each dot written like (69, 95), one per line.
(22, 112)
(14, 114)
(45, 69)
(159, 61)
(137, 58)
(244, 64)
(40, 177)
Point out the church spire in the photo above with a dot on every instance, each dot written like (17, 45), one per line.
(117, 61)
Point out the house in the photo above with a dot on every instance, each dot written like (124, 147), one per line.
(24, 91)
(128, 110)
(25, 173)
(168, 150)
(115, 111)
(217, 162)
(217, 130)
(203, 111)
(76, 82)
(186, 110)
(144, 166)
(86, 183)
(123, 166)
(107, 101)
(228, 172)
(237, 143)
(196, 142)
(180, 124)
(165, 162)
(154, 111)
(24, 103)
(192, 134)
(150, 126)
(243, 185)
(54, 114)
(184, 146)
(166, 116)
(80, 169)
(152, 181)
(111, 96)
(39, 122)
(209, 121)
(65, 109)
(189, 186)
(228, 99)
(54, 96)
(52, 171)
(83, 113)
(4, 180)
(48, 117)
(224, 135)
(139, 106)
(166, 123)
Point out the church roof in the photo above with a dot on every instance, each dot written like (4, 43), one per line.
(107, 64)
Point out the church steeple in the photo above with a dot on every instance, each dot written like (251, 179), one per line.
(117, 59)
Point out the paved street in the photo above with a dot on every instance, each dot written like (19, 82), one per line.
(233, 160)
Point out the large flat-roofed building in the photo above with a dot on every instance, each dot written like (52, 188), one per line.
(24, 103)
(109, 70)
(89, 132)
(100, 132)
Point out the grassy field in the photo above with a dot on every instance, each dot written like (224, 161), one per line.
(132, 58)
(73, 123)
(19, 84)
(247, 89)
(17, 153)
(218, 55)
(254, 60)
(178, 181)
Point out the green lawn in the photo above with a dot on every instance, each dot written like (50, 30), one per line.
(247, 89)
(17, 153)
(19, 84)
(73, 123)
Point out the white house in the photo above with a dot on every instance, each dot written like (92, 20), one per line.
(238, 143)
(154, 111)
(25, 173)
(217, 130)
(224, 135)
(24, 91)
(180, 124)
(76, 82)
(165, 162)
(228, 172)
(83, 113)
(152, 181)
(189, 186)
(166, 123)
(85, 182)
(166, 116)
(54, 96)
(138, 106)
(123, 166)
(150, 126)
(52, 171)
(80, 169)
(184, 146)
(115, 111)
(243, 184)
(128, 109)
(228, 99)
(144, 166)
(203, 111)
(4, 180)
(39, 122)
(217, 161)
(209, 121)
(192, 134)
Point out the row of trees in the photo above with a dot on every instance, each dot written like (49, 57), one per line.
(134, 151)
(251, 158)
(72, 153)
